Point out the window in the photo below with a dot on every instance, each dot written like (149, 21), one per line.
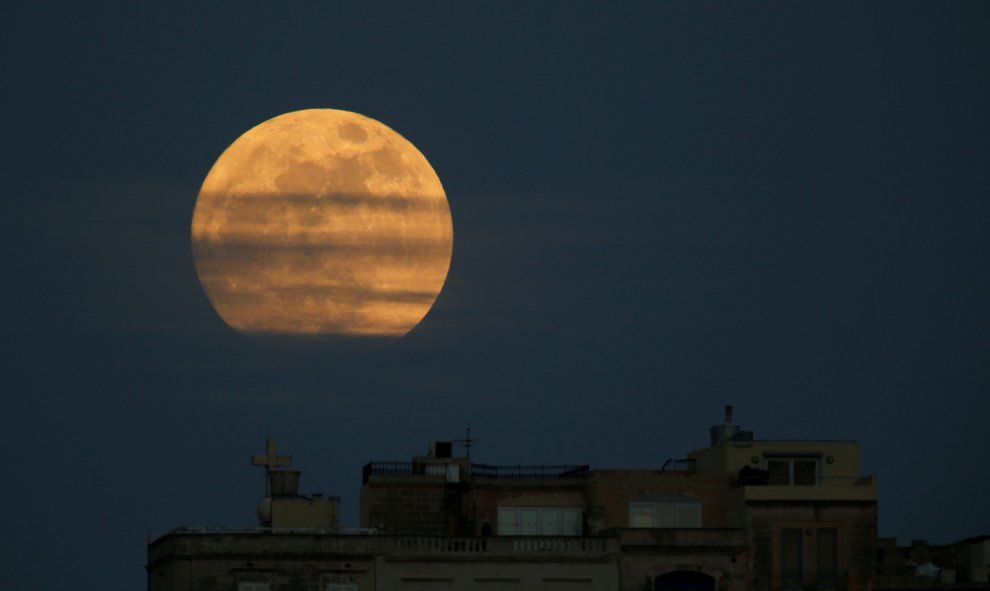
(828, 576)
(253, 586)
(791, 554)
(641, 515)
(792, 471)
(669, 512)
(539, 521)
(451, 471)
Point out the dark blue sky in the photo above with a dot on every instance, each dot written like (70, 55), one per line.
(658, 209)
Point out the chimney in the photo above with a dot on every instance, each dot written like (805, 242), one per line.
(724, 432)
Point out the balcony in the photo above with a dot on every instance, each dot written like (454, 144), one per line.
(514, 546)
(221, 543)
(851, 488)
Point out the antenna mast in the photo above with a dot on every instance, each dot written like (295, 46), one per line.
(467, 442)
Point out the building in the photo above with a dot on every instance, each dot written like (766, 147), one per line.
(742, 514)
(959, 566)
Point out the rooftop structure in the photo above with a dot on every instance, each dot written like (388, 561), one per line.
(742, 514)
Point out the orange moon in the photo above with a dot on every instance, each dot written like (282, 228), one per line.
(322, 223)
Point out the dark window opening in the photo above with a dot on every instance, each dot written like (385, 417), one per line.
(805, 472)
(828, 576)
(790, 558)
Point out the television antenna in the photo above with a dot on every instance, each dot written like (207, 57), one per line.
(467, 442)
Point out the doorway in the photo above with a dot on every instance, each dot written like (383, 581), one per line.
(684, 580)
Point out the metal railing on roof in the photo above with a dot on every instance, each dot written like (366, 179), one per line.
(387, 469)
(537, 471)
(540, 471)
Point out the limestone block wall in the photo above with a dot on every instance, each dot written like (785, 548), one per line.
(649, 553)
(610, 492)
(414, 505)
(206, 561)
(854, 522)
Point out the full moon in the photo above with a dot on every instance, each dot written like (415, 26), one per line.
(322, 223)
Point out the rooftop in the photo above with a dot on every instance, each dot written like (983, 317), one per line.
(537, 471)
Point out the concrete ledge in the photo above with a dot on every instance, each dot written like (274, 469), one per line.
(863, 490)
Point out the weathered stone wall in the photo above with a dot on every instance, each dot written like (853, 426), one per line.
(961, 565)
(610, 491)
(414, 505)
(308, 562)
(288, 562)
(305, 512)
(590, 574)
(856, 525)
(649, 553)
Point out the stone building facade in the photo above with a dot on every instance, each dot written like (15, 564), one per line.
(960, 566)
(246, 560)
(742, 514)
